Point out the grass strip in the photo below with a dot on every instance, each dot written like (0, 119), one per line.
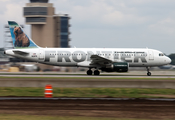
(88, 92)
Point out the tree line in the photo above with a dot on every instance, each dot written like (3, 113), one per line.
(172, 57)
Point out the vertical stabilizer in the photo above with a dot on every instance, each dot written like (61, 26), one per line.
(19, 38)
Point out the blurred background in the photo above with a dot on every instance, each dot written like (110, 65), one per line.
(94, 23)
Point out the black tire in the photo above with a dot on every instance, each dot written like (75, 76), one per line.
(149, 73)
(96, 72)
(89, 72)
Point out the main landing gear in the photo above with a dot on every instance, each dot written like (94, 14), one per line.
(96, 72)
(148, 72)
(89, 72)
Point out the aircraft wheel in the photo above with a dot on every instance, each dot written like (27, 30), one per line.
(149, 73)
(96, 72)
(89, 72)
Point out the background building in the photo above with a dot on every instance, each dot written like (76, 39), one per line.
(47, 28)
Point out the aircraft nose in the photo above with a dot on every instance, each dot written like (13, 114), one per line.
(168, 60)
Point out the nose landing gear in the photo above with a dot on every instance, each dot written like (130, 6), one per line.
(148, 72)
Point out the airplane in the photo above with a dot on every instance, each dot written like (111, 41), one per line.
(104, 59)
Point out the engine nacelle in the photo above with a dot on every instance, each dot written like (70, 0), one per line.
(116, 67)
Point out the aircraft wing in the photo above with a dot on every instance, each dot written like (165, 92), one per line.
(99, 61)
(20, 52)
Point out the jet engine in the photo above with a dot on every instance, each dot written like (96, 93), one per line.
(116, 67)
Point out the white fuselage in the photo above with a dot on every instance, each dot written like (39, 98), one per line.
(82, 56)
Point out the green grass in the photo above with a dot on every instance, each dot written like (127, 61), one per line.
(11, 91)
(35, 117)
(86, 92)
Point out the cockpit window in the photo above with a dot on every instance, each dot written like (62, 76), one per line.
(161, 54)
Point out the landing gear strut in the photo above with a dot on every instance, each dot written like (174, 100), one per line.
(148, 72)
(89, 72)
(96, 72)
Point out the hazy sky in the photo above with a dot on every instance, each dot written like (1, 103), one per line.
(108, 23)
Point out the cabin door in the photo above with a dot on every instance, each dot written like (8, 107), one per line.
(41, 54)
(151, 55)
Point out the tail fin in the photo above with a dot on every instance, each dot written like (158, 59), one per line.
(19, 38)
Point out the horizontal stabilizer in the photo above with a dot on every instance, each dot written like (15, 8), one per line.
(20, 52)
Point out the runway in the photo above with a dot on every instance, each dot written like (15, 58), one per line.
(137, 108)
(85, 76)
(68, 80)
(68, 98)
(148, 108)
(131, 74)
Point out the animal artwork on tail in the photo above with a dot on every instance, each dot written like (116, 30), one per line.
(21, 39)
